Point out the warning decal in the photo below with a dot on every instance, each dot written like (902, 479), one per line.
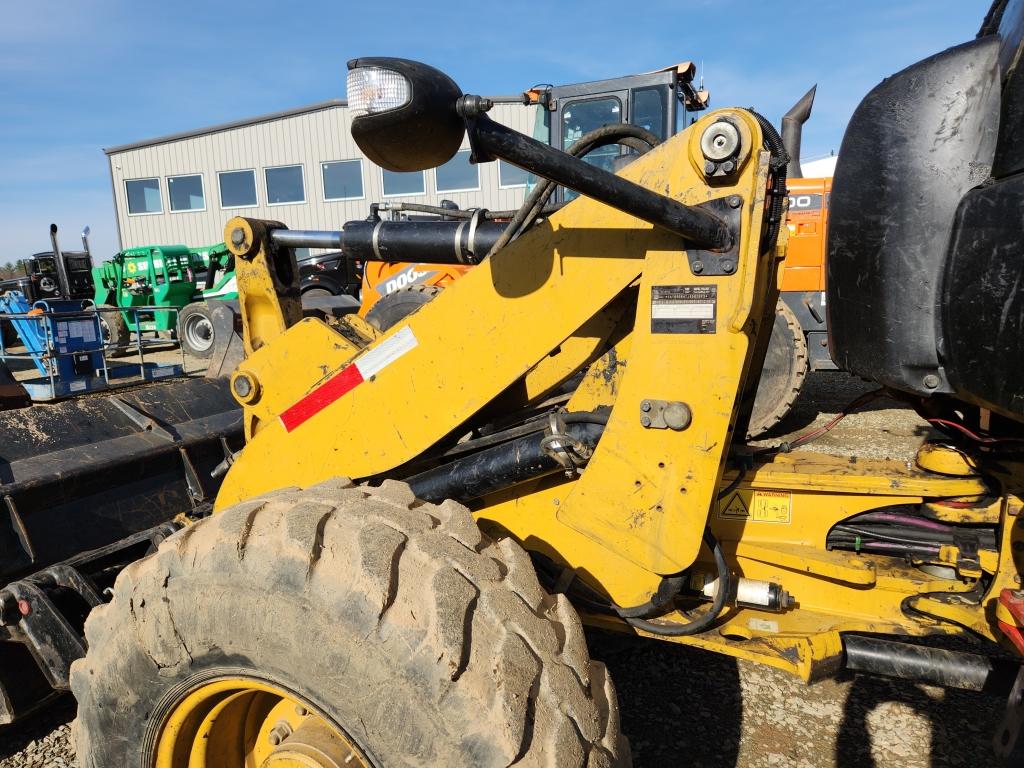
(757, 507)
(734, 508)
(772, 507)
(684, 308)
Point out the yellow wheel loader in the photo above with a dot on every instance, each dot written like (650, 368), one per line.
(402, 558)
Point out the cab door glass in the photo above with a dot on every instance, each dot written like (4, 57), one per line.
(650, 107)
(581, 117)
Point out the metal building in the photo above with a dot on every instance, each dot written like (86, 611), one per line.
(300, 167)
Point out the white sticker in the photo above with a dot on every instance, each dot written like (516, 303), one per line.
(763, 625)
(682, 311)
(76, 386)
(385, 353)
(164, 371)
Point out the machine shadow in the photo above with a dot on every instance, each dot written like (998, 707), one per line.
(679, 706)
(962, 723)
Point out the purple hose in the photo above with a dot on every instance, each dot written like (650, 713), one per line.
(890, 546)
(901, 518)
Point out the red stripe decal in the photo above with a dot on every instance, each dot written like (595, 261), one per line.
(309, 406)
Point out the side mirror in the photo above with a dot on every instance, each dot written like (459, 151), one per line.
(404, 114)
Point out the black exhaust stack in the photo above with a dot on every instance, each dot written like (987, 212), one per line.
(792, 127)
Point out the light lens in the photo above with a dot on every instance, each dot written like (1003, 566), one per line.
(372, 90)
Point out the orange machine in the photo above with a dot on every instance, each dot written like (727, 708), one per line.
(803, 278)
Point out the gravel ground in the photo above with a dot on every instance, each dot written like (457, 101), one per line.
(685, 707)
(41, 740)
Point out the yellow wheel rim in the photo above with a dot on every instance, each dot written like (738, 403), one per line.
(239, 723)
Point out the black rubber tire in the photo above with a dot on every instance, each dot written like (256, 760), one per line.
(783, 374)
(117, 337)
(196, 333)
(465, 660)
(318, 293)
(398, 305)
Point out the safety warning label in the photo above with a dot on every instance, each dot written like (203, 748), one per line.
(684, 308)
(757, 507)
(734, 508)
(772, 507)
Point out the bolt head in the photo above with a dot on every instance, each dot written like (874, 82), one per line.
(698, 267)
(931, 381)
(237, 236)
(728, 166)
(735, 201)
(710, 167)
(645, 406)
(645, 421)
(728, 267)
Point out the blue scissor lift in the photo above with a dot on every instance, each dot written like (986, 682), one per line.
(65, 344)
(63, 333)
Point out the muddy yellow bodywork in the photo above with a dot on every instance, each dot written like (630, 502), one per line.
(575, 295)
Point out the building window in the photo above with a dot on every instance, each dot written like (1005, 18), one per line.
(510, 175)
(143, 196)
(237, 189)
(458, 174)
(285, 185)
(343, 180)
(186, 193)
(403, 183)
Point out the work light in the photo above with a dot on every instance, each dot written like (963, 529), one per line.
(404, 114)
(372, 90)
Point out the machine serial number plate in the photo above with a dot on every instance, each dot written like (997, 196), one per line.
(683, 308)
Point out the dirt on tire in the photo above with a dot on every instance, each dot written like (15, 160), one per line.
(428, 642)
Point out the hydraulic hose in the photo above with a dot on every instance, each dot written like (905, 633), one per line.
(632, 136)
(705, 620)
(778, 192)
(504, 465)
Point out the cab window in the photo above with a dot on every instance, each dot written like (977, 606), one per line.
(649, 110)
(581, 117)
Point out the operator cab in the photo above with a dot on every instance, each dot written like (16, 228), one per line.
(661, 102)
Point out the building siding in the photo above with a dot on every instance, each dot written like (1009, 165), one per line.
(306, 139)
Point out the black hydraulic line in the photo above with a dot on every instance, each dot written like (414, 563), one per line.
(537, 424)
(535, 203)
(778, 192)
(898, 536)
(705, 620)
(672, 585)
(454, 213)
(699, 227)
(935, 666)
(499, 467)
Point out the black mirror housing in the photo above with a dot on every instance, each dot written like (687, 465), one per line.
(424, 132)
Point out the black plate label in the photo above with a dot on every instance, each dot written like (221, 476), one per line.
(684, 308)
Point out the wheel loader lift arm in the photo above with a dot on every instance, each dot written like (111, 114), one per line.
(319, 408)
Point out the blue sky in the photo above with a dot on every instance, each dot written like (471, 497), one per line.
(80, 75)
